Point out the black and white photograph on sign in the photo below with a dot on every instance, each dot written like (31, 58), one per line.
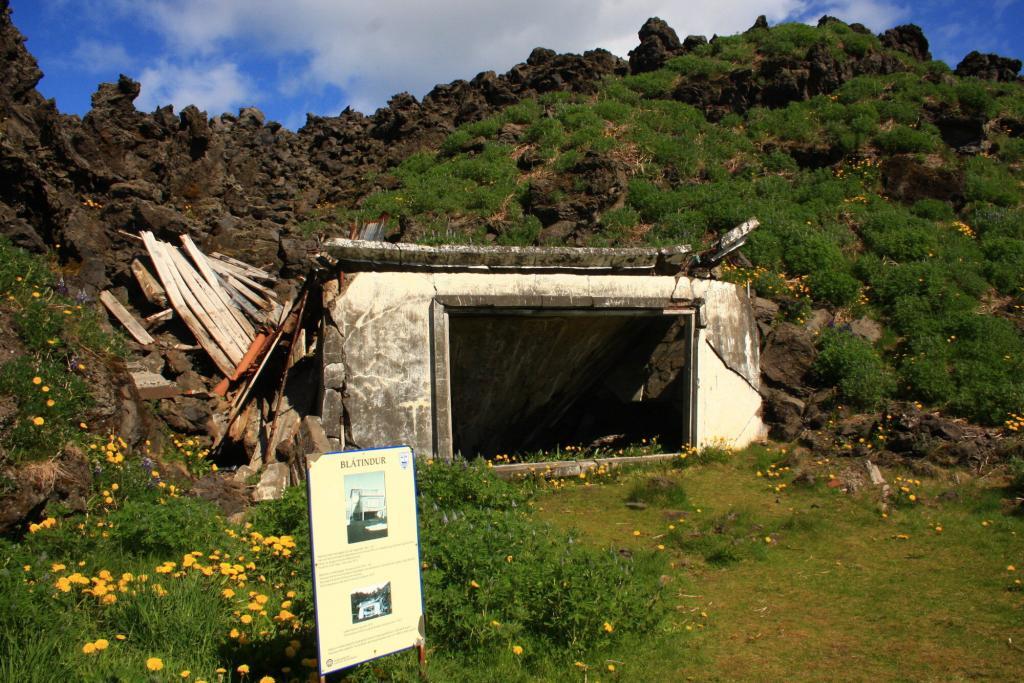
(371, 602)
(366, 506)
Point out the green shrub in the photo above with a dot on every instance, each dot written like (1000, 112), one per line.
(986, 180)
(854, 367)
(548, 134)
(523, 113)
(520, 232)
(933, 209)
(724, 539)
(493, 575)
(902, 138)
(1005, 263)
(615, 111)
(652, 85)
(974, 97)
(693, 66)
(787, 40)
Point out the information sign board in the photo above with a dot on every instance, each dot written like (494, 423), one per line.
(366, 562)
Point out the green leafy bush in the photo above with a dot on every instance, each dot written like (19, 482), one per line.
(902, 138)
(854, 367)
(985, 180)
(493, 576)
(652, 84)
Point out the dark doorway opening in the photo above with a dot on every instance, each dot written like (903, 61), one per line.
(524, 380)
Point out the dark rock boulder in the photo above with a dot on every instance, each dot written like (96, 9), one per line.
(691, 43)
(788, 356)
(909, 180)
(784, 414)
(658, 43)
(760, 23)
(908, 38)
(67, 480)
(989, 67)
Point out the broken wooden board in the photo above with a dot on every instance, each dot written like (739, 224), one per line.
(222, 326)
(242, 276)
(242, 396)
(168, 275)
(251, 270)
(158, 317)
(133, 326)
(151, 289)
(216, 286)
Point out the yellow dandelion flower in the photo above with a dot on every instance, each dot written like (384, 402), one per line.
(154, 664)
(267, 679)
(517, 649)
(608, 628)
(246, 618)
(89, 648)
(38, 421)
(37, 380)
(242, 668)
(101, 644)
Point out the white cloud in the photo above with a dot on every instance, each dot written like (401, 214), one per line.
(214, 88)
(373, 50)
(875, 14)
(93, 56)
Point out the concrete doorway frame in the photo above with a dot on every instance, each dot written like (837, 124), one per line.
(443, 307)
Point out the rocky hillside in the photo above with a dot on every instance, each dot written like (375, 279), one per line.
(890, 261)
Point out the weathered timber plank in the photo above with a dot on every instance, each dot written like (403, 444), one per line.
(158, 317)
(239, 274)
(151, 289)
(250, 269)
(215, 283)
(217, 324)
(241, 288)
(165, 270)
(133, 326)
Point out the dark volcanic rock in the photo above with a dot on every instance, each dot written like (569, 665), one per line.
(784, 414)
(658, 43)
(989, 67)
(788, 357)
(909, 180)
(66, 479)
(907, 38)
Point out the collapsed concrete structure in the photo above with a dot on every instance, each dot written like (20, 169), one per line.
(464, 350)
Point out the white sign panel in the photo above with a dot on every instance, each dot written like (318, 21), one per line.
(366, 562)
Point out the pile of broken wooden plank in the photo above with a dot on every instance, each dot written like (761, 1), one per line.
(235, 317)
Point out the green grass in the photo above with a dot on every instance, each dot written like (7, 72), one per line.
(731, 571)
(57, 341)
(789, 585)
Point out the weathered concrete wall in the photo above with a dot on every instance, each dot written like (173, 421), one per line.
(378, 360)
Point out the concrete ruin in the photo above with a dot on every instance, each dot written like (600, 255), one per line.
(463, 350)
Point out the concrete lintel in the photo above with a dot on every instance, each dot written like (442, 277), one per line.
(470, 256)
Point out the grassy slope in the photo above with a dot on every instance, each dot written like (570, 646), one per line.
(945, 277)
(836, 595)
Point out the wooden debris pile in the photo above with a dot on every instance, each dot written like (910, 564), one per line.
(236, 320)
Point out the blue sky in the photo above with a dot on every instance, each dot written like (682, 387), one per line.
(319, 56)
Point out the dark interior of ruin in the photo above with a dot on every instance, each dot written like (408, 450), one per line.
(529, 380)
